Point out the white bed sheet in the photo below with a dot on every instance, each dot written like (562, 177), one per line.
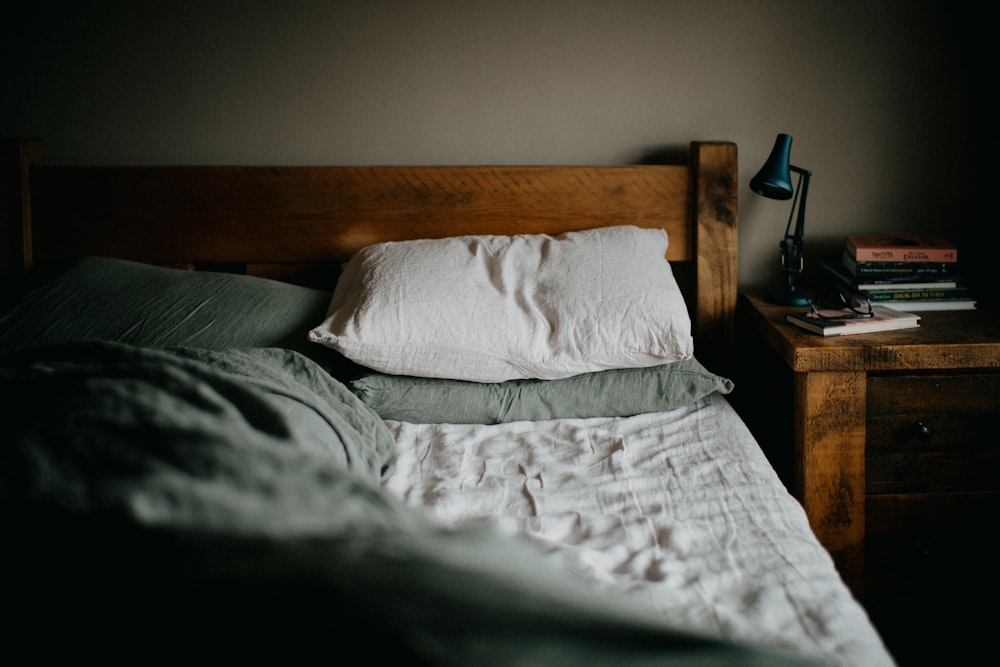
(679, 510)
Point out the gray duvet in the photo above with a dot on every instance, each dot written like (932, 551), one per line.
(162, 501)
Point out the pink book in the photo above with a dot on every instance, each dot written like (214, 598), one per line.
(900, 248)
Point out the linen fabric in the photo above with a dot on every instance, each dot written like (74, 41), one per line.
(679, 510)
(497, 308)
(620, 392)
(102, 298)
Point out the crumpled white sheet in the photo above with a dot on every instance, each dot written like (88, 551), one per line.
(679, 509)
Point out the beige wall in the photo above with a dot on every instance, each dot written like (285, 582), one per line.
(877, 95)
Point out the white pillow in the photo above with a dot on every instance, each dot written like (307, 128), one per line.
(496, 308)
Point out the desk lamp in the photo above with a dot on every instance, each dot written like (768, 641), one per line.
(774, 182)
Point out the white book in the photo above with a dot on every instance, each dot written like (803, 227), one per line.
(844, 322)
(942, 304)
(937, 284)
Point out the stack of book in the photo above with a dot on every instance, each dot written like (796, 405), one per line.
(909, 273)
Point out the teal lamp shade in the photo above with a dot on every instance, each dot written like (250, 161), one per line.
(774, 180)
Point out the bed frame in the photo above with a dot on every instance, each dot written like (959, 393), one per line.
(299, 223)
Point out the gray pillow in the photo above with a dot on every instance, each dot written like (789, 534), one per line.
(612, 393)
(99, 298)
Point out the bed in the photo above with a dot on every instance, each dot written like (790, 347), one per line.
(434, 414)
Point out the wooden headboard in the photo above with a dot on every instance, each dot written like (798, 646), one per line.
(298, 223)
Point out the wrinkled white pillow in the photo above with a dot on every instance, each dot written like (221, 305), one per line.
(497, 308)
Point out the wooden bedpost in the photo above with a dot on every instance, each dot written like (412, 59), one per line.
(715, 184)
(17, 156)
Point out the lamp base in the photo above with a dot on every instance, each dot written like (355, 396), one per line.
(787, 296)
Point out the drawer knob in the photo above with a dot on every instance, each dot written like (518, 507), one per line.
(921, 430)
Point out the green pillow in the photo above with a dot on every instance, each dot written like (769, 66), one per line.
(612, 393)
(100, 298)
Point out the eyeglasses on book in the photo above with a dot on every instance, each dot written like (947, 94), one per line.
(857, 303)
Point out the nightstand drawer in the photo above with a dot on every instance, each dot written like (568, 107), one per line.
(929, 561)
(928, 538)
(933, 431)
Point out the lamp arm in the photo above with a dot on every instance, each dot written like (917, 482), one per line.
(800, 221)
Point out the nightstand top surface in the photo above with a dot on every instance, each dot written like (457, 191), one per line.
(944, 340)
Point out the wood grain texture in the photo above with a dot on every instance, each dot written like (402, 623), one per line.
(854, 403)
(317, 214)
(829, 437)
(16, 161)
(945, 339)
(933, 432)
(716, 247)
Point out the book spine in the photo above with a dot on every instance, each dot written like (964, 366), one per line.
(899, 268)
(874, 273)
(920, 294)
(902, 254)
(903, 279)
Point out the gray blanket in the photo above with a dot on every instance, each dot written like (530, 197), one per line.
(159, 501)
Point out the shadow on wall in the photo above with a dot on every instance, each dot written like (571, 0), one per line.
(665, 155)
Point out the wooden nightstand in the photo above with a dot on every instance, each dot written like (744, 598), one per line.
(891, 442)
